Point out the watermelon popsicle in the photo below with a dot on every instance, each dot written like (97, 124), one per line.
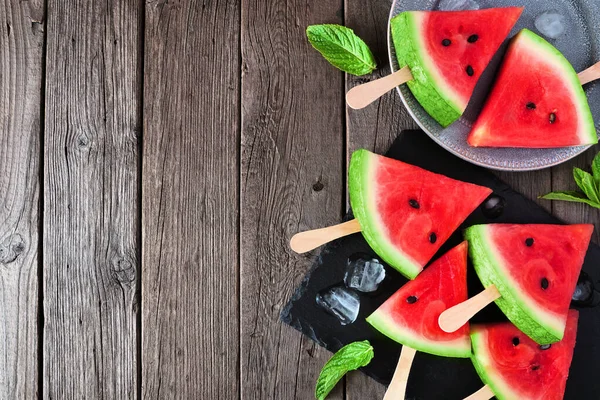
(410, 315)
(441, 55)
(513, 366)
(404, 212)
(530, 271)
(541, 106)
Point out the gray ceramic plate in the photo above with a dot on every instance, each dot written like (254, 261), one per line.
(580, 43)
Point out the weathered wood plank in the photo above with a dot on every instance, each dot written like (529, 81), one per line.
(21, 48)
(531, 184)
(90, 245)
(292, 179)
(190, 313)
(374, 127)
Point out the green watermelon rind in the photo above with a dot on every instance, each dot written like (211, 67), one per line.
(409, 51)
(458, 348)
(587, 133)
(485, 372)
(526, 317)
(361, 186)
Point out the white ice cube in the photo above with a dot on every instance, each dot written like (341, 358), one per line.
(550, 24)
(364, 274)
(341, 302)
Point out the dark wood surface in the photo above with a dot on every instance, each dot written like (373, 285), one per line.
(155, 158)
(190, 227)
(90, 203)
(21, 76)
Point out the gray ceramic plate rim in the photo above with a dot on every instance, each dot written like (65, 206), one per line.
(393, 62)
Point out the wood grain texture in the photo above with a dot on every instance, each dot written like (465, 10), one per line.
(21, 48)
(562, 179)
(531, 184)
(292, 179)
(90, 243)
(190, 313)
(374, 127)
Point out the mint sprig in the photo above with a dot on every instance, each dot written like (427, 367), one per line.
(348, 358)
(589, 185)
(342, 48)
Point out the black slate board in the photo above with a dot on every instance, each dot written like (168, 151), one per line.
(435, 377)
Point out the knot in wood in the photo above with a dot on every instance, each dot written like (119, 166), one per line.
(83, 142)
(124, 271)
(11, 248)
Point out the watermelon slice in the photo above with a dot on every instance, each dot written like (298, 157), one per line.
(406, 213)
(537, 101)
(515, 367)
(535, 269)
(410, 316)
(447, 51)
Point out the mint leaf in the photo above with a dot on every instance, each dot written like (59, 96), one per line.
(570, 196)
(348, 358)
(596, 169)
(586, 183)
(342, 48)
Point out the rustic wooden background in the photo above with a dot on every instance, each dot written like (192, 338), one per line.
(155, 157)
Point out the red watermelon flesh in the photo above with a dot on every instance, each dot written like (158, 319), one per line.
(406, 213)
(537, 101)
(447, 51)
(515, 367)
(410, 316)
(535, 268)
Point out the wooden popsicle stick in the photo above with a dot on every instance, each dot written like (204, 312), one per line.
(485, 393)
(455, 317)
(590, 74)
(309, 240)
(397, 388)
(362, 95)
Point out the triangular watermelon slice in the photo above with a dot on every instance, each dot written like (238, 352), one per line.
(537, 101)
(447, 51)
(535, 268)
(515, 367)
(410, 316)
(406, 213)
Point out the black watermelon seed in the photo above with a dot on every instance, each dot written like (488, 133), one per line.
(470, 71)
(446, 42)
(552, 118)
(531, 105)
(432, 237)
(529, 242)
(472, 38)
(535, 367)
(544, 283)
(411, 299)
(545, 346)
(414, 204)
(516, 341)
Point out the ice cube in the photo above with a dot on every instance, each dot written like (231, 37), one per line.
(584, 291)
(550, 24)
(364, 273)
(458, 5)
(341, 302)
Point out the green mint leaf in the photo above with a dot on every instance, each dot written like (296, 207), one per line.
(577, 197)
(596, 169)
(586, 183)
(342, 48)
(348, 358)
